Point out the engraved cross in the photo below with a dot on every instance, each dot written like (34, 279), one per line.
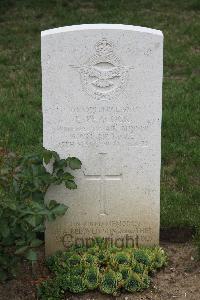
(102, 177)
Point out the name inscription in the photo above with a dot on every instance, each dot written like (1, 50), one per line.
(103, 125)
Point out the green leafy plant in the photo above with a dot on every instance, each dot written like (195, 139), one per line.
(90, 259)
(110, 269)
(51, 289)
(23, 211)
(120, 258)
(74, 260)
(77, 284)
(133, 283)
(103, 256)
(125, 271)
(138, 267)
(158, 259)
(142, 256)
(109, 282)
(92, 277)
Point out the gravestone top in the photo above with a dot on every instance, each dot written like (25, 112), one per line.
(100, 26)
(102, 102)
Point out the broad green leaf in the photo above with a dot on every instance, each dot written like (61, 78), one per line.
(31, 220)
(70, 184)
(31, 255)
(4, 171)
(4, 229)
(36, 243)
(37, 196)
(67, 176)
(55, 155)
(47, 155)
(21, 250)
(51, 217)
(52, 204)
(37, 205)
(15, 186)
(60, 164)
(8, 241)
(39, 219)
(60, 173)
(36, 182)
(60, 210)
(35, 170)
(20, 242)
(23, 211)
(57, 180)
(39, 228)
(30, 235)
(12, 205)
(34, 220)
(74, 163)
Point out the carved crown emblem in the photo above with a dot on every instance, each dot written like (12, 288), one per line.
(103, 76)
(104, 47)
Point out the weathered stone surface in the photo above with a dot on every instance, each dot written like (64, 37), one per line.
(102, 100)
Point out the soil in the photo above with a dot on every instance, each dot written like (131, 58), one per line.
(180, 280)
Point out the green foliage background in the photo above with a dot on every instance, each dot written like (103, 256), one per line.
(20, 83)
(23, 211)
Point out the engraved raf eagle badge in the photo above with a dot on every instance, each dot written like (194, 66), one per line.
(103, 77)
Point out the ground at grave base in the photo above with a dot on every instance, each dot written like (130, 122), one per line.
(179, 280)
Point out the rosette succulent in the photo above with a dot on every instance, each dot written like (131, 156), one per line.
(103, 267)
(77, 284)
(133, 283)
(142, 256)
(121, 258)
(89, 259)
(92, 277)
(109, 282)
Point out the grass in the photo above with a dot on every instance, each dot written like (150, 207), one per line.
(20, 83)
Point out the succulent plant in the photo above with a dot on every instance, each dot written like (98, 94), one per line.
(101, 266)
(76, 270)
(74, 260)
(78, 249)
(121, 258)
(125, 271)
(103, 257)
(100, 242)
(143, 257)
(145, 280)
(89, 259)
(138, 268)
(160, 258)
(93, 250)
(49, 290)
(57, 263)
(133, 283)
(113, 249)
(109, 282)
(92, 277)
(77, 284)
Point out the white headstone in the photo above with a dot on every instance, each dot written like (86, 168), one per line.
(102, 100)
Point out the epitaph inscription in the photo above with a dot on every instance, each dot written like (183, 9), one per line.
(120, 233)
